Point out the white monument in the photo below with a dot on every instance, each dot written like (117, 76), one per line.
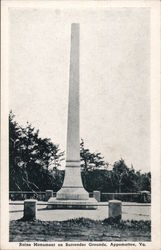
(72, 194)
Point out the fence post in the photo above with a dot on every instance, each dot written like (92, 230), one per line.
(144, 196)
(97, 195)
(115, 209)
(48, 194)
(30, 210)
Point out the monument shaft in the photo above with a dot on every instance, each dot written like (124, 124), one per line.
(72, 188)
(73, 144)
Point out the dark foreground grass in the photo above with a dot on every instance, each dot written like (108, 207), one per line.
(80, 230)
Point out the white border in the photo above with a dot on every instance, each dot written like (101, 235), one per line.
(155, 107)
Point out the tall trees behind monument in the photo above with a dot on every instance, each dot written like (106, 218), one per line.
(97, 176)
(30, 158)
(90, 161)
(34, 165)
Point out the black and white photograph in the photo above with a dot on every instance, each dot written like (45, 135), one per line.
(80, 125)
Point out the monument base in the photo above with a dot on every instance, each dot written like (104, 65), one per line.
(53, 203)
(72, 193)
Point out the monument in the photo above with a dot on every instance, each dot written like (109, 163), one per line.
(72, 194)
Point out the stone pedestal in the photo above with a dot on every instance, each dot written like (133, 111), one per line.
(30, 210)
(54, 203)
(115, 209)
(97, 195)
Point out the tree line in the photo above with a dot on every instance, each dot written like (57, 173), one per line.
(34, 165)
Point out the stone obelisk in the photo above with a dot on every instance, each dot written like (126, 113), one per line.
(72, 187)
(72, 194)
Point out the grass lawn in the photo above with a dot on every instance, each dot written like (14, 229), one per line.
(79, 230)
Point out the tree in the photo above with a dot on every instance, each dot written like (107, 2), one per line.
(123, 177)
(30, 157)
(143, 181)
(90, 161)
(18, 177)
(94, 170)
(34, 165)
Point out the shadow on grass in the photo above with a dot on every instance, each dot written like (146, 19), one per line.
(81, 229)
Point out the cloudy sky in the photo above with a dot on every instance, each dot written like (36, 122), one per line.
(114, 77)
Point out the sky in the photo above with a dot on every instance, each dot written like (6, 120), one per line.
(114, 77)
